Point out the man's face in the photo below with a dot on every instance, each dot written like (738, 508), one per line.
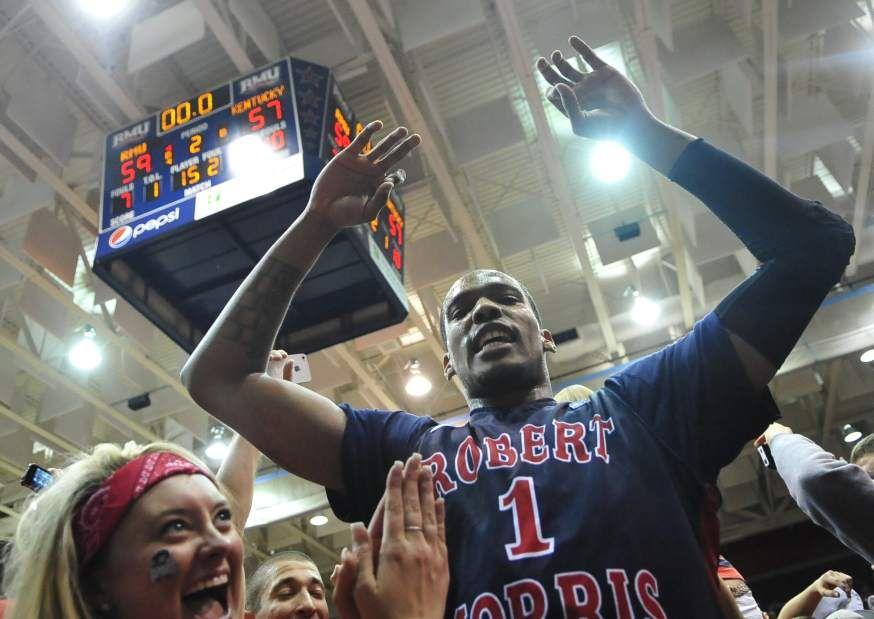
(867, 464)
(296, 591)
(492, 335)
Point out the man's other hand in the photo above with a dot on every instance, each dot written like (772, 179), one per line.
(601, 103)
(354, 186)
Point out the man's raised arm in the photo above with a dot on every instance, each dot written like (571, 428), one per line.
(803, 247)
(297, 428)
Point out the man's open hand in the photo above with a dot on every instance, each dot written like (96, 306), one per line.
(354, 186)
(601, 103)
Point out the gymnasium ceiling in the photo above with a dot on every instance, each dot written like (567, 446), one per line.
(786, 88)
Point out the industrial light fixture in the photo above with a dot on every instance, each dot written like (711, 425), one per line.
(103, 9)
(85, 354)
(417, 383)
(644, 311)
(609, 161)
(319, 520)
(850, 434)
(867, 356)
(217, 450)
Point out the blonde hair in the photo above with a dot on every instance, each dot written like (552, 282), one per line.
(44, 578)
(573, 393)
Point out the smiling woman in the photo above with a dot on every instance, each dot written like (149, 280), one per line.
(142, 531)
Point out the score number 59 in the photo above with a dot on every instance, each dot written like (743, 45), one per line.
(129, 168)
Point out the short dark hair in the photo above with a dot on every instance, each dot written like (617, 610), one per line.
(263, 576)
(525, 291)
(863, 448)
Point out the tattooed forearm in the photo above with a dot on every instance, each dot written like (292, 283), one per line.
(257, 310)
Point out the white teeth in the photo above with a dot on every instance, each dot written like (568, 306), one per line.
(493, 335)
(215, 581)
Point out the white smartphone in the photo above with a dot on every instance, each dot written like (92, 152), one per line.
(300, 369)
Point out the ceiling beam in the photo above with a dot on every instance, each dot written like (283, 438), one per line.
(48, 176)
(58, 25)
(51, 437)
(10, 512)
(431, 339)
(314, 543)
(860, 210)
(45, 284)
(550, 151)
(10, 468)
(413, 116)
(225, 35)
(57, 378)
(770, 47)
(646, 43)
(366, 377)
(831, 401)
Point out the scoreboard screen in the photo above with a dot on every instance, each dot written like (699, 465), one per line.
(239, 140)
(221, 148)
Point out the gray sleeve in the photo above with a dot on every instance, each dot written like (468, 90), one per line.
(836, 495)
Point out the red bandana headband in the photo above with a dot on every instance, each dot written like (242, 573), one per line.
(95, 521)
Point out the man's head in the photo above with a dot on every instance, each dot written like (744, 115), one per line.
(287, 586)
(491, 330)
(863, 454)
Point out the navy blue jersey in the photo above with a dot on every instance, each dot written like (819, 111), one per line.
(600, 508)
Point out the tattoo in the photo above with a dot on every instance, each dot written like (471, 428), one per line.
(259, 307)
(163, 565)
(738, 588)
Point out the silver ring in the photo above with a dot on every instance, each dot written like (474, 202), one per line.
(398, 177)
(413, 529)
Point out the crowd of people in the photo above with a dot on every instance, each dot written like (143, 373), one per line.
(576, 504)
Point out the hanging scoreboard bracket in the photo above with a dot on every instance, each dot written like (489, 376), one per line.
(194, 195)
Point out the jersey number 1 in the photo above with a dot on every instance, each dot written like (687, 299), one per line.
(526, 520)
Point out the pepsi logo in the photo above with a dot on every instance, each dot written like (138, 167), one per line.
(120, 237)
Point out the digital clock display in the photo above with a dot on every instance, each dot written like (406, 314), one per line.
(191, 109)
(188, 148)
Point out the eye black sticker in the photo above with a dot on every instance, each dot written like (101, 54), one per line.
(163, 565)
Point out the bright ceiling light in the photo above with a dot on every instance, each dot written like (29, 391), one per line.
(217, 450)
(867, 356)
(417, 383)
(85, 354)
(644, 311)
(250, 156)
(850, 434)
(319, 520)
(609, 161)
(103, 9)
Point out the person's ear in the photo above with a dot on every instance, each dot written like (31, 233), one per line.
(448, 370)
(548, 342)
(96, 593)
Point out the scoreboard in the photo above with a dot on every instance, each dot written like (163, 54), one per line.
(189, 149)
(198, 175)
